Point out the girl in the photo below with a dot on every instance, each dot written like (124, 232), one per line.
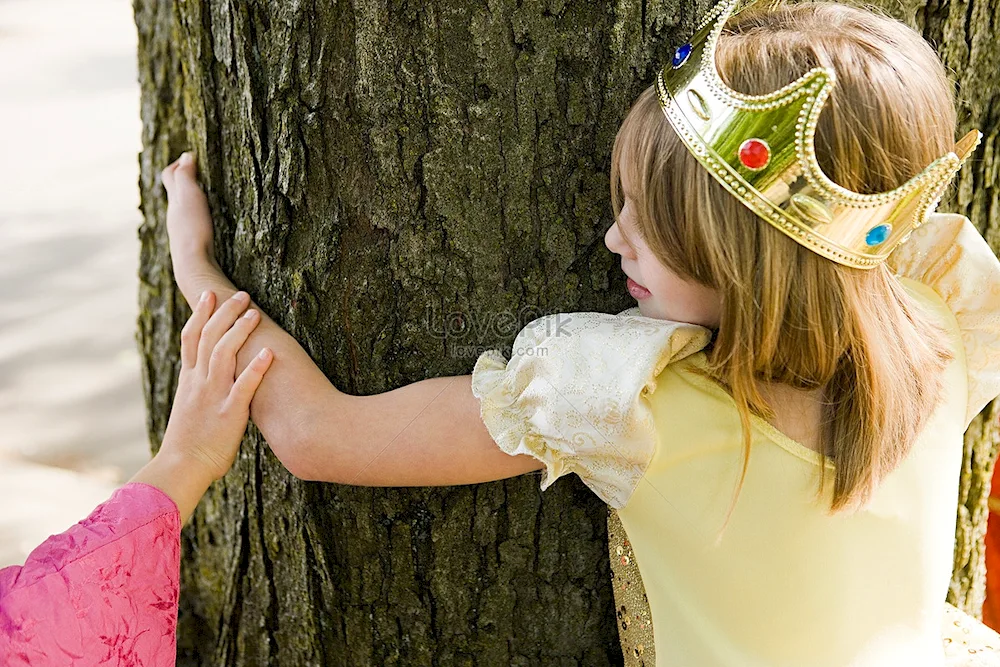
(779, 423)
(105, 591)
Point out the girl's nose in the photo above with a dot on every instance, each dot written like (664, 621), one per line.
(614, 241)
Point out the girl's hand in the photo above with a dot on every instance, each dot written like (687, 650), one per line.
(189, 222)
(211, 407)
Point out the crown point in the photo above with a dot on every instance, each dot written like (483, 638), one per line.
(681, 55)
(754, 153)
(878, 234)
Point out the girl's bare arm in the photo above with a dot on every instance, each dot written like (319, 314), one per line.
(425, 434)
(428, 433)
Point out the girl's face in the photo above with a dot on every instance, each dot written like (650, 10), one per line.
(661, 293)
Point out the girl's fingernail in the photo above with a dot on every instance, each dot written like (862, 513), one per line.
(241, 296)
(264, 354)
(204, 296)
(185, 157)
(249, 314)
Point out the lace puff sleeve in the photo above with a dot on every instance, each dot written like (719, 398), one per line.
(948, 254)
(573, 393)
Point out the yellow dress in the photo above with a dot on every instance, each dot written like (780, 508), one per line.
(613, 399)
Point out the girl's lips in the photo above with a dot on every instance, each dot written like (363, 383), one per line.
(636, 290)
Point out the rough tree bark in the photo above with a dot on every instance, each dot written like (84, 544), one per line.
(400, 185)
(372, 167)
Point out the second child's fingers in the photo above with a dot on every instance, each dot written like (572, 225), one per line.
(191, 333)
(227, 313)
(223, 360)
(246, 384)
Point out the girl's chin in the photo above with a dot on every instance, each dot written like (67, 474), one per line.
(647, 309)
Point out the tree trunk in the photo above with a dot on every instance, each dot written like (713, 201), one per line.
(401, 186)
(966, 39)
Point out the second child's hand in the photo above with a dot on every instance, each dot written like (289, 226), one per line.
(211, 407)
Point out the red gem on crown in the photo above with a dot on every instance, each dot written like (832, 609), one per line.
(754, 153)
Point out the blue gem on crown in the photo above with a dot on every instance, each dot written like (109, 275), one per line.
(878, 234)
(681, 55)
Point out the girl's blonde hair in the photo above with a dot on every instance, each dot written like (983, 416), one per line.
(789, 315)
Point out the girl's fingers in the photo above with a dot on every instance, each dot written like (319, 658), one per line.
(167, 174)
(221, 322)
(223, 360)
(246, 384)
(191, 333)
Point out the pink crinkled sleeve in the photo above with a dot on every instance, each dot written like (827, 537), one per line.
(104, 592)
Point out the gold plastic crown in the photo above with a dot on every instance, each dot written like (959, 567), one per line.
(760, 148)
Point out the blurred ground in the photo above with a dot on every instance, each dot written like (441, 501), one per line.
(72, 422)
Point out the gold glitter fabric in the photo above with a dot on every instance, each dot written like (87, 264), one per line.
(635, 623)
(949, 255)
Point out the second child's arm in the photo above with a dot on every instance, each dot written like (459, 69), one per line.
(424, 434)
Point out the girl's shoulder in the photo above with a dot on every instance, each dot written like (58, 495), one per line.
(594, 354)
(571, 394)
(604, 346)
(948, 255)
